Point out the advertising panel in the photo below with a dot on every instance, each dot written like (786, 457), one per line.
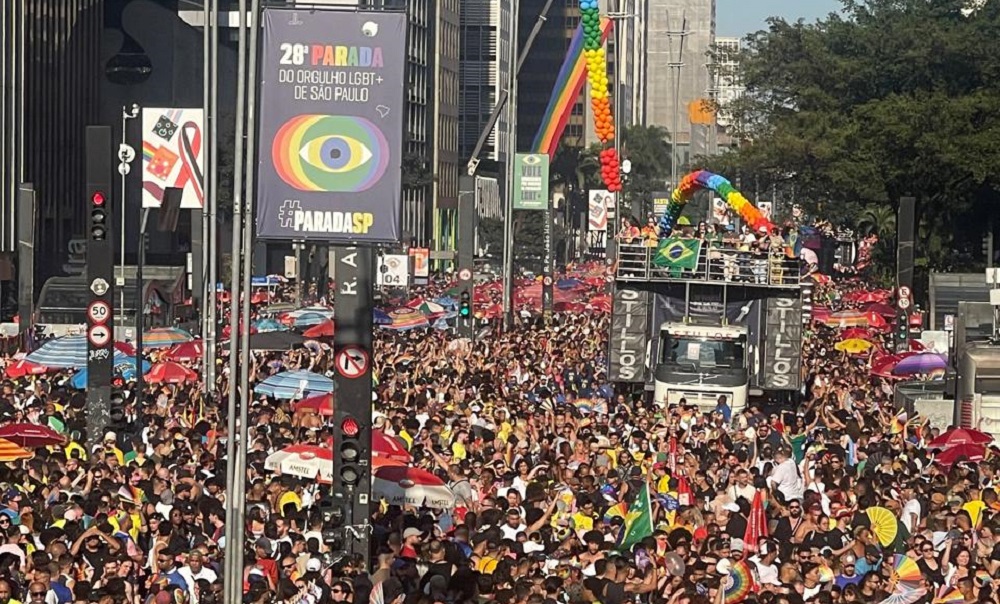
(531, 181)
(172, 155)
(597, 210)
(782, 344)
(331, 126)
(629, 333)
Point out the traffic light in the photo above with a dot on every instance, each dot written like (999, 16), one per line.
(98, 216)
(117, 408)
(350, 452)
(465, 305)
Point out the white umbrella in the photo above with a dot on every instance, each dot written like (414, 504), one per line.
(305, 461)
(401, 485)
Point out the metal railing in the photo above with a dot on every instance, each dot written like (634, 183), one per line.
(716, 263)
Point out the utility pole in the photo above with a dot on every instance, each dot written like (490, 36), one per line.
(676, 66)
(235, 531)
(508, 223)
(210, 231)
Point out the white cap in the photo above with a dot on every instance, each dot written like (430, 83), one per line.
(313, 565)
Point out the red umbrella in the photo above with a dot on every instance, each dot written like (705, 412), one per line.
(856, 332)
(167, 372)
(125, 348)
(953, 438)
(756, 524)
(22, 368)
(963, 452)
(187, 351)
(883, 309)
(31, 435)
(384, 445)
(876, 321)
(320, 330)
(320, 403)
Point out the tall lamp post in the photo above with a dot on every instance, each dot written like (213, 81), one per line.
(126, 154)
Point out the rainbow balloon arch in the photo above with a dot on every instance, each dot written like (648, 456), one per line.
(600, 101)
(703, 179)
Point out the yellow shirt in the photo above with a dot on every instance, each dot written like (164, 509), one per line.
(582, 522)
(73, 446)
(458, 451)
(289, 497)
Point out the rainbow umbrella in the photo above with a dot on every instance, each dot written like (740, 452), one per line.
(407, 318)
(163, 337)
(11, 452)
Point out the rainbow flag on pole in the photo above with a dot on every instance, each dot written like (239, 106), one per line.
(569, 83)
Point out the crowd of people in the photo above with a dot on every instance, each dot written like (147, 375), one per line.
(564, 490)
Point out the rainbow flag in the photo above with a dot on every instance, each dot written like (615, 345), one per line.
(569, 83)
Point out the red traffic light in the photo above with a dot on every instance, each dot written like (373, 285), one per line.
(349, 427)
(98, 198)
(117, 382)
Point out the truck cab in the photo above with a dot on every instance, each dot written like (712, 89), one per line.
(700, 363)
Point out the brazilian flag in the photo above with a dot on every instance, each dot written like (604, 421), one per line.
(678, 254)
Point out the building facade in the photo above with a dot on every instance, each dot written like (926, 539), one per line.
(678, 38)
(484, 73)
(50, 62)
(729, 88)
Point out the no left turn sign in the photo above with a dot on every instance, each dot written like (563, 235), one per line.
(465, 274)
(352, 362)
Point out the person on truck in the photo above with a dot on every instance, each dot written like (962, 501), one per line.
(723, 407)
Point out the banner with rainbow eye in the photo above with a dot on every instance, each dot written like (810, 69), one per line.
(703, 179)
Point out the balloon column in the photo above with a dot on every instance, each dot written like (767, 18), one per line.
(703, 179)
(600, 103)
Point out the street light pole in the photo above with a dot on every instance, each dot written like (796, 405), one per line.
(235, 531)
(125, 156)
(508, 223)
(140, 305)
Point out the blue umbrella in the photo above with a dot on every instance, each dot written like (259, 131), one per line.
(67, 351)
(381, 318)
(125, 369)
(308, 319)
(266, 325)
(447, 302)
(295, 384)
(568, 283)
(268, 281)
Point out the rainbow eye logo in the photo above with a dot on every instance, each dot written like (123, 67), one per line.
(330, 153)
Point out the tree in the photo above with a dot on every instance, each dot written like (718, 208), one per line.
(894, 98)
(649, 150)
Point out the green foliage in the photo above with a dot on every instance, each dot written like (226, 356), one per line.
(650, 151)
(895, 98)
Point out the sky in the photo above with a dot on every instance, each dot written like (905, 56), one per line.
(740, 17)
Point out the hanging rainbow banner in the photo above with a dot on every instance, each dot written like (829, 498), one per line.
(703, 179)
(565, 93)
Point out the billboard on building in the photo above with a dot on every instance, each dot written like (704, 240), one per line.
(597, 210)
(531, 181)
(173, 155)
(331, 126)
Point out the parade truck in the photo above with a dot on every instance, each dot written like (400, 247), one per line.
(725, 323)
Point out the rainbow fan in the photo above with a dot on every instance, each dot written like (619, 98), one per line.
(619, 510)
(905, 573)
(825, 574)
(983, 577)
(951, 596)
(739, 583)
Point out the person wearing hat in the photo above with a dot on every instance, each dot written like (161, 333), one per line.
(195, 570)
(847, 573)
(411, 539)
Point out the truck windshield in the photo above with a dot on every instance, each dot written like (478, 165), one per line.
(701, 354)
